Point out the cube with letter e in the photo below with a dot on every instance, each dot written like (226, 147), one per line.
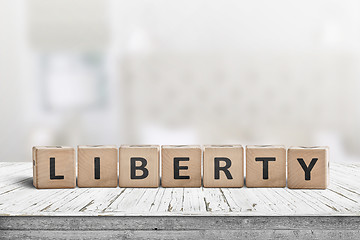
(308, 167)
(181, 166)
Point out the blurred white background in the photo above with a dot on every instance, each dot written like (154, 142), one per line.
(179, 72)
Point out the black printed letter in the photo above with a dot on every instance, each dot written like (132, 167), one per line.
(225, 169)
(306, 169)
(52, 170)
(97, 167)
(177, 167)
(141, 167)
(265, 161)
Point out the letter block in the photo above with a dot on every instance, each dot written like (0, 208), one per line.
(223, 166)
(139, 166)
(265, 166)
(54, 167)
(181, 166)
(97, 166)
(308, 167)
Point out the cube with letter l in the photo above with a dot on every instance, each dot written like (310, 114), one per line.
(54, 167)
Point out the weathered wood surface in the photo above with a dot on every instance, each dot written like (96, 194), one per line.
(184, 234)
(176, 213)
(18, 197)
(180, 227)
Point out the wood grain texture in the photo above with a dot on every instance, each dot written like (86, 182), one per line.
(276, 174)
(63, 165)
(176, 223)
(107, 160)
(234, 154)
(151, 153)
(18, 197)
(318, 177)
(181, 227)
(168, 155)
(303, 234)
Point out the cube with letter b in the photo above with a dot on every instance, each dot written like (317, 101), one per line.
(181, 166)
(139, 166)
(223, 166)
(265, 166)
(308, 167)
(54, 167)
(97, 166)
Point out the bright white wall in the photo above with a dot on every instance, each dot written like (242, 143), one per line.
(181, 72)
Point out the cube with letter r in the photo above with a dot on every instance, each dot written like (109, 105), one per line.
(223, 166)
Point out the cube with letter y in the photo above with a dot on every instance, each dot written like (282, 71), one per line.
(97, 166)
(139, 166)
(223, 166)
(181, 166)
(54, 167)
(265, 166)
(308, 167)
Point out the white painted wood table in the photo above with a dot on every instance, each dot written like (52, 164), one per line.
(26, 212)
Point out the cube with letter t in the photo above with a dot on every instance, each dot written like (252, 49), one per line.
(97, 166)
(181, 166)
(54, 167)
(139, 166)
(223, 166)
(265, 166)
(308, 167)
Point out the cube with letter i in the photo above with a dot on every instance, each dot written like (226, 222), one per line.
(139, 166)
(265, 166)
(54, 167)
(308, 167)
(97, 166)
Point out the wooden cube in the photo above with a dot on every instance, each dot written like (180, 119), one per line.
(223, 166)
(139, 166)
(265, 166)
(97, 166)
(54, 167)
(308, 167)
(181, 166)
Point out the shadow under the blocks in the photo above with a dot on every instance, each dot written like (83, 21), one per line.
(25, 182)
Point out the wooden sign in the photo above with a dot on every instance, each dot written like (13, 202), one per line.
(181, 166)
(223, 166)
(265, 166)
(97, 166)
(54, 167)
(139, 166)
(308, 167)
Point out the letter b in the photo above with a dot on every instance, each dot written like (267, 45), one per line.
(133, 168)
